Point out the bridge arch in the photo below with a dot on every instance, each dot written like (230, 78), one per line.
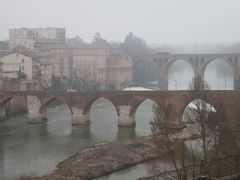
(228, 61)
(172, 61)
(44, 105)
(194, 103)
(89, 104)
(180, 73)
(5, 100)
(143, 114)
(135, 107)
(12, 104)
(219, 73)
(18, 101)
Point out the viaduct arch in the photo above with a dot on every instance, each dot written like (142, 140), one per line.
(198, 63)
(180, 73)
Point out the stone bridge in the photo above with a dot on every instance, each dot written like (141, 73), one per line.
(198, 62)
(125, 103)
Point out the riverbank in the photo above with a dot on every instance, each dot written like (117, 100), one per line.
(104, 158)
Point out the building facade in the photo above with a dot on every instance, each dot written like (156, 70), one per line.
(31, 72)
(17, 66)
(89, 67)
(118, 71)
(46, 75)
(88, 64)
(36, 38)
(102, 68)
(61, 60)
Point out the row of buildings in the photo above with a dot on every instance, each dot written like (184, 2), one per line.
(91, 67)
(38, 59)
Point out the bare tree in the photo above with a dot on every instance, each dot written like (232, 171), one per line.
(201, 125)
(164, 138)
(204, 133)
(212, 147)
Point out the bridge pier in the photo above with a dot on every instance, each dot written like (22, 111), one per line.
(34, 115)
(198, 83)
(2, 113)
(36, 118)
(78, 117)
(236, 79)
(124, 119)
(163, 80)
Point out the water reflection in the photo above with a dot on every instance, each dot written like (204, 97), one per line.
(2, 165)
(126, 133)
(143, 116)
(36, 133)
(81, 131)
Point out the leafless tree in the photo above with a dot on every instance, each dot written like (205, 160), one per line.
(202, 124)
(164, 138)
(210, 126)
(184, 153)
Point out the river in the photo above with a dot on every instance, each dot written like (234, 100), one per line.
(37, 149)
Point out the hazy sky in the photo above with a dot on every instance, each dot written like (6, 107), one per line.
(157, 21)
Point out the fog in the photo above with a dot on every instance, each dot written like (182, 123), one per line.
(219, 75)
(157, 21)
(180, 75)
(186, 26)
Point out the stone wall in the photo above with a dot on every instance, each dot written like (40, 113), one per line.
(16, 105)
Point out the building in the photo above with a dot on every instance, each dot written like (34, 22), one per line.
(30, 71)
(118, 71)
(87, 67)
(36, 38)
(88, 64)
(17, 66)
(101, 67)
(61, 59)
(46, 75)
(9, 84)
(33, 85)
(78, 67)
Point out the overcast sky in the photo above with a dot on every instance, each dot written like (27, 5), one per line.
(156, 21)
